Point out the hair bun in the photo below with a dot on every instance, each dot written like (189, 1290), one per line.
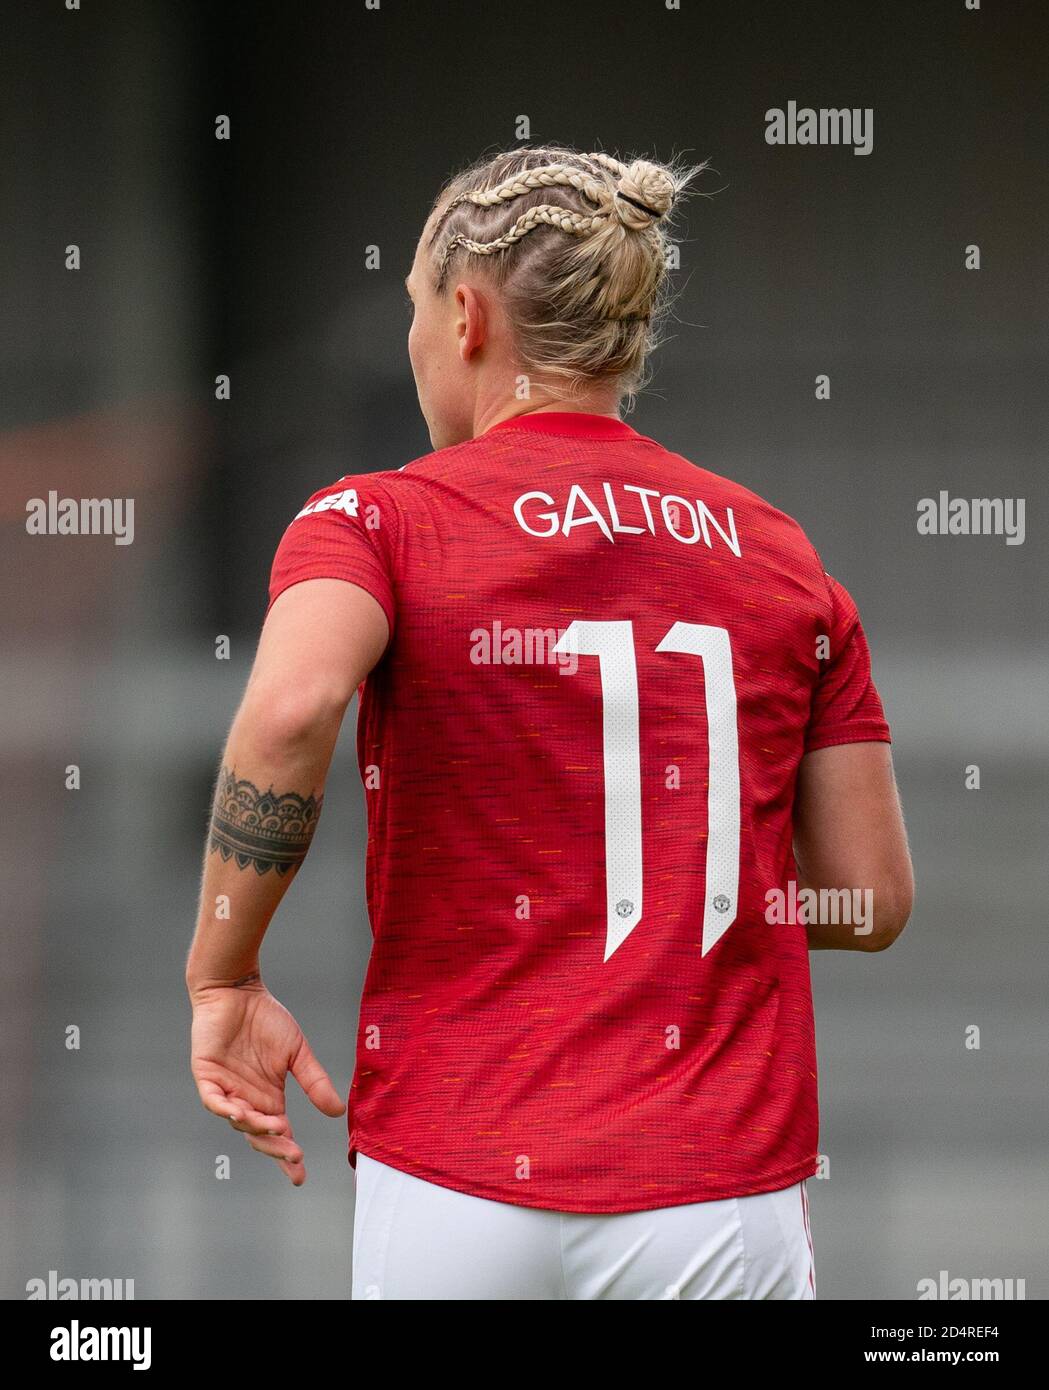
(644, 195)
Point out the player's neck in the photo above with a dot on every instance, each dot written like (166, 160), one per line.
(595, 403)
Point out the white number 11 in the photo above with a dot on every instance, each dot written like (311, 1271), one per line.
(613, 644)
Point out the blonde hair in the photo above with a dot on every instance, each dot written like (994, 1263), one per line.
(577, 247)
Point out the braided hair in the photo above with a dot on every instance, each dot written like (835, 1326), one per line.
(577, 246)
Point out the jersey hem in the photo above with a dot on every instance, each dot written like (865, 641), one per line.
(771, 1183)
(634, 436)
(347, 576)
(848, 733)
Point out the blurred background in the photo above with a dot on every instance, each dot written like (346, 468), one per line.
(246, 257)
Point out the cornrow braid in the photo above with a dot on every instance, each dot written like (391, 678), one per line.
(609, 162)
(584, 308)
(577, 223)
(514, 187)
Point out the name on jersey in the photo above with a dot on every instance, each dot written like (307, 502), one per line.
(345, 501)
(626, 510)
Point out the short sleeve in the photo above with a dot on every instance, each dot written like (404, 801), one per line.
(346, 531)
(846, 707)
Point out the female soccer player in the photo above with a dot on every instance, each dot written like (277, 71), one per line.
(624, 765)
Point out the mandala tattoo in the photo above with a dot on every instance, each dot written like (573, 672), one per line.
(261, 829)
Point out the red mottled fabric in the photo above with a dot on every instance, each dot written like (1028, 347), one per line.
(532, 1030)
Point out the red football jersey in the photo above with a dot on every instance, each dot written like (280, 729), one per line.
(579, 752)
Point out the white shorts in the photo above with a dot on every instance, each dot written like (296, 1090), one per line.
(415, 1240)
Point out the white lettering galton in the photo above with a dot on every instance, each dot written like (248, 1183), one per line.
(687, 521)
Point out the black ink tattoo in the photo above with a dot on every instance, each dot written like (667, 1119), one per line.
(247, 980)
(261, 829)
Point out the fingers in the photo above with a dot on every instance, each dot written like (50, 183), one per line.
(239, 1113)
(295, 1172)
(269, 1134)
(250, 1121)
(316, 1082)
(286, 1151)
(277, 1147)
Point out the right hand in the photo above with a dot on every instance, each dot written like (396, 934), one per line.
(243, 1044)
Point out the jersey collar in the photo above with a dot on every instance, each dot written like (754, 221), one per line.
(578, 424)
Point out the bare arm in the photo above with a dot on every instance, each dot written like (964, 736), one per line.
(319, 641)
(849, 834)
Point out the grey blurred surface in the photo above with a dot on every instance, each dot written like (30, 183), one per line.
(248, 259)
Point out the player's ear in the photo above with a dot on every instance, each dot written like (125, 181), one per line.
(472, 317)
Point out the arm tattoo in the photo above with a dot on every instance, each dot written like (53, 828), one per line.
(263, 829)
